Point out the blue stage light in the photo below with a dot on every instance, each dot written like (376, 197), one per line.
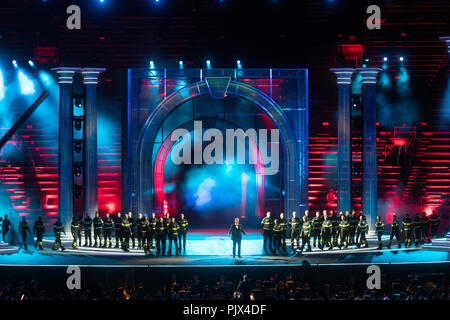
(46, 79)
(180, 63)
(2, 86)
(238, 64)
(401, 59)
(208, 64)
(26, 84)
(31, 63)
(152, 65)
(14, 62)
(385, 59)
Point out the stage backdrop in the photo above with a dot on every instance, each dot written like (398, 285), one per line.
(161, 101)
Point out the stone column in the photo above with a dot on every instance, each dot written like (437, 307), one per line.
(344, 80)
(447, 42)
(369, 155)
(90, 80)
(65, 145)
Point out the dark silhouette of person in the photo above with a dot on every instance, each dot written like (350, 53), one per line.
(236, 231)
(244, 287)
(5, 227)
(24, 229)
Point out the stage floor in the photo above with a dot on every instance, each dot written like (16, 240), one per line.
(214, 248)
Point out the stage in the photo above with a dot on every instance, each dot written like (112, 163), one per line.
(212, 248)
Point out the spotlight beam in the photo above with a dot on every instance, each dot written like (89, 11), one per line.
(23, 118)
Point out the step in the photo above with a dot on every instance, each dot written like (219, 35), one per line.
(6, 249)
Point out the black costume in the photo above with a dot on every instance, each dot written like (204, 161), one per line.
(126, 233)
(267, 225)
(161, 236)
(173, 236)
(57, 229)
(326, 234)
(5, 227)
(379, 229)
(75, 231)
(118, 231)
(184, 227)
(305, 234)
(362, 229)
(407, 228)
(296, 225)
(87, 226)
(98, 229)
(107, 232)
(236, 231)
(38, 230)
(23, 230)
(395, 232)
(316, 228)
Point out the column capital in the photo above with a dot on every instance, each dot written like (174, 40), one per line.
(369, 75)
(90, 75)
(446, 39)
(65, 74)
(343, 75)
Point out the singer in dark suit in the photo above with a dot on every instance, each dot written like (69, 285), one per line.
(236, 232)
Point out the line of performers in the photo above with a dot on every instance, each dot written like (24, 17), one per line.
(343, 230)
(150, 233)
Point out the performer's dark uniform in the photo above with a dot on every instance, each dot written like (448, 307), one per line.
(38, 230)
(316, 228)
(133, 231)
(435, 220)
(352, 231)
(326, 234)
(58, 229)
(184, 227)
(344, 226)
(107, 231)
(98, 229)
(267, 225)
(408, 225)
(362, 229)
(425, 229)
(23, 230)
(152, 232)
(305, 234)
(146, 242)
(335, 230)
(395, 232)
(141, 232)
(277, 230)
(173, 237)
(126, 233)
(75, 231)
(118, 231)
(87, 226)
(236, 232)
(5, 227)
(379, 229)
(417, 231)
(295, 224)
(161, 235)
(283, 224)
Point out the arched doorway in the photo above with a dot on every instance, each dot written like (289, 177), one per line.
(216, 89)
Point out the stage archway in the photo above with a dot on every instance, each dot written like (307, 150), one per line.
(144, 181)
(160, 161)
